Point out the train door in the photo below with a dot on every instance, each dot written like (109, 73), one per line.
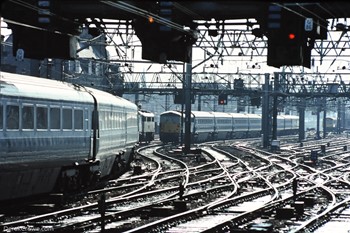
(95, 136)
(125, 115)
(139, 125)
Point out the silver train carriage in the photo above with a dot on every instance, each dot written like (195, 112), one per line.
(60, 135)
(208, 126)
(146, 126)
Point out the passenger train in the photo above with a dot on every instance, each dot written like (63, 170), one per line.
(209, 126)
(56, 135)
(146, 126)
(331, 124)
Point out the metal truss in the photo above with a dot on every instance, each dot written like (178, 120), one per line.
(218, 43)
(222, 43)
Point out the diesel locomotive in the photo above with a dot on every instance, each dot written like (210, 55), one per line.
(146, 126)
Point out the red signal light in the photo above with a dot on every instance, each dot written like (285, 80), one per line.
(291, 36)
(222, 99)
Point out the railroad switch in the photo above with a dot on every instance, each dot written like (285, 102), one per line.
(161, 211)
(309, 200)
(102, 210)
(137, 170)
(299, 207)
(261, 227)
(180, 205)
(57, 198)
(285, 213)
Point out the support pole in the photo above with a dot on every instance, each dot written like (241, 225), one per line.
(341, 117)
(182, 125)
(275, 104)
(318, 122)
(199, 102)
(324, 119)
(302, 121)
(265, 119)
(187, 88)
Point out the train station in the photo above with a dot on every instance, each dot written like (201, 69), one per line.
(174, 116)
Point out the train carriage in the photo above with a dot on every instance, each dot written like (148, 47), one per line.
(223, 125)
(207, 126)
(291, 125)
(55, 134)
(203, 126)
(280, 125)
(146, 126)
(117, 129)
(240, 125)
(254, 125)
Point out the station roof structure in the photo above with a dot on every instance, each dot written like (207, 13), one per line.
(200, 10)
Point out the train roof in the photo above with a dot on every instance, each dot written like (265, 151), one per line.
(221, 114)
(238, 115)
(288, 117)
(224, 114)
(146, 114)
(202, 114)
(41, 88)
(109, 99)
(171, 112)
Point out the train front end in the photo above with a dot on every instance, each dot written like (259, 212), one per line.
(170, 127)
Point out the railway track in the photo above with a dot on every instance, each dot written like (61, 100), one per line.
(222, 187)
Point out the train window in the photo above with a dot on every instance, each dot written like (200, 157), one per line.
(78, 119)
(67, 118)
(1, 117)
(118, 120)
(123, 121)
(114, 120)
(102, 119)
(105, 120)
(109, 120)
(86, 119)
(242, 122)
(55, 118)
(28, 117)
(12, 117)
(41, 118)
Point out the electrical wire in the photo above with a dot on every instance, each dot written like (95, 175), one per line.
(284, 6)
(37, 9)
(314, 14)
(188, 11)
(326, 10)
(146, 14)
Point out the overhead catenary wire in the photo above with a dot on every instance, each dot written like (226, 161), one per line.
(188, 11)
(286, 7)
(37, 9)
(146, 14)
